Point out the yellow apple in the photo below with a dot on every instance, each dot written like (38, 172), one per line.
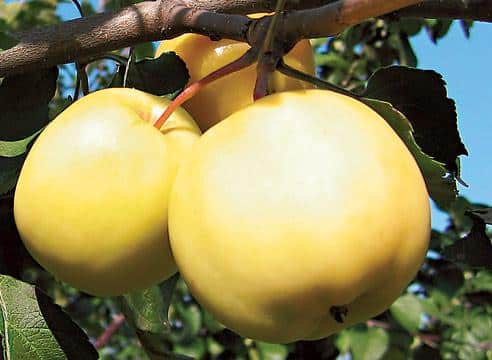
(298, 216)
(91, 203)
(233, 92)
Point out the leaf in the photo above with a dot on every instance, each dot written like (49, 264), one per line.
(24, 103)
(269, 351)
(484, 214)
(16, 148)
(421, 96)
(195, 349)
(33, 327)
(366, 343)
(466, 26)
(407, 311)
(441, 186)
(9, 173)
(161, 76)
(474, 250)
(147, 313)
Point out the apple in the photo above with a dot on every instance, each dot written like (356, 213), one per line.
(91, 203)
(298, 216)
(233, 92)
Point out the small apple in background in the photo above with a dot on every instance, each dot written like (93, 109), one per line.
(235, 91)
(309, 214)
(91, 203)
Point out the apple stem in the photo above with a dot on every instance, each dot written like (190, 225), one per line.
(294, 73)
(248, 58)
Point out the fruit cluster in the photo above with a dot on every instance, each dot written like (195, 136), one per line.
(290, 219)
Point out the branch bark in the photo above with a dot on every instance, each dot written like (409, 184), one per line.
(84, 38)
(479, 10)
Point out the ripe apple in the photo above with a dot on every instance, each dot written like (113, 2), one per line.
(92, 198)
(299, 215)
(233, 92)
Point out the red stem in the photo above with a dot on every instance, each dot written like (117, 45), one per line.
(112, 328)
(248, 58)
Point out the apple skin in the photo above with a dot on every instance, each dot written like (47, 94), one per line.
(92, 197)
(302, 202)
(235, 91)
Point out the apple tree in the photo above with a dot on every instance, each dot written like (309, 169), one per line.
(362, 49)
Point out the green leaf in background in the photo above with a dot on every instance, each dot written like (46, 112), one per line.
(164, 75)
(269, 351)
(475, 249)
(441, 186)
(421, 96)
(364, 343)
(16, 148)
(24, 103)
(33, 327)
(407, 312)
(7, 39)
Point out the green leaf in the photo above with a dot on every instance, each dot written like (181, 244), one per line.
(269, 351)
(9, 173)
(484, 214)
(24, 103)
(407, 311)
(421, 96)
(441, 186)
(16, 148)
(364, 343)
(33, 327)
(474, 250)
(147, 313)
(195, 349)
(164, 75)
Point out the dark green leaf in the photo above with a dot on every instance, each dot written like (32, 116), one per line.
(147, 313)
(466, 26)
(407, 311)
(9, 172)
(484, 214)
(475, 249)
(147, 310)
(24, 103)
(441, 187)
(421, 96)
(33, 327)
(161, 76)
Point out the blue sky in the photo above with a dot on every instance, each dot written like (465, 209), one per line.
(464, 64)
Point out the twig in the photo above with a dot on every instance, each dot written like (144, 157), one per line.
(294, 73)
(248, 58)
(112, 328)
(269, 55)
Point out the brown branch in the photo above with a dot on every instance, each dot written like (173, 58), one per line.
(480, 10)
(93, 35)
(335, 17)
(113, 327)
(155, 20)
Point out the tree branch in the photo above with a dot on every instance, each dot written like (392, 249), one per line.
(88, 37)
(480, 10)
